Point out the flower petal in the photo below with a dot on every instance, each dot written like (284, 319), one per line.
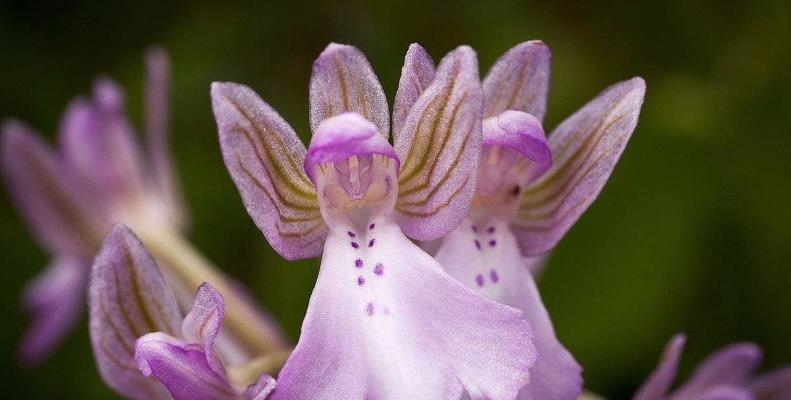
(733, 365)
(98, 145)
(486, 257)
(585, 149)
(439, 147)
(344, 81)
(658, 383)
(522, 133)
(773, 385)
(536, 265)
(519, 80)
(128, 297)
(202, 324)
(342, 136)
(375, 329)
(55, 299)
(721, 393)
(261, 389)
(157, 88)
(416, 74)
(182, 367)
(45, 195)
(265, 158)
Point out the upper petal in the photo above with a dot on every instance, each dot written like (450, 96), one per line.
(265, 159)
(45, 195)
(585, 149)
(733, 365)
(519, 80)
(658, 383)
(344, 81)
(385, 322)
(97, 142)
(128, 297)
(439, 147)
(157, 91)
(55, 299)
(416, 74)
(342, 136)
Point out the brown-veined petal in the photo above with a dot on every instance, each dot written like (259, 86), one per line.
(128, 298)
(439, 147)
(585, 149)
(343, 81)
(265, 159)
(416, 74)
(518, 80)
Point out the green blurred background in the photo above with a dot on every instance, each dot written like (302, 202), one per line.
(693, 232)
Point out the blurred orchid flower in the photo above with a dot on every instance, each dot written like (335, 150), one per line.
(143, 347)
(530, 191)
(98, 176)
(728, 374)
(384, 320)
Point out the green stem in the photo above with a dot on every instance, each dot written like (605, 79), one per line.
(250, 329)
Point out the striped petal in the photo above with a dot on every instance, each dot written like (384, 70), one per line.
(128, 298)
(733, 365)
(518, 80)
(416, 74)
(439, 147)
(265, 159)
(343, 81)
(46, 197)
(658, 383)
(585, 149)
(157, 91)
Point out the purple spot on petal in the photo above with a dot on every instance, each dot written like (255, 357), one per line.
(358, 263)
(479, 280)
(475, 229)
(369, 309)
(490, 229)
(372, 226)
(493, 275)
(360, 281)
(477, 244)
(355, 245)
(351, 234)
(379, 269)
(387, 311)
(492, 243)
(371, 243)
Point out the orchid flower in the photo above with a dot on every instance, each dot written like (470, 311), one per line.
(530, 191)
(70, 198)
(384, 320)
(728, 374)
(143, 347)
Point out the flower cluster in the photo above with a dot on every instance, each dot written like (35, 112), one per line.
(428, 243)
